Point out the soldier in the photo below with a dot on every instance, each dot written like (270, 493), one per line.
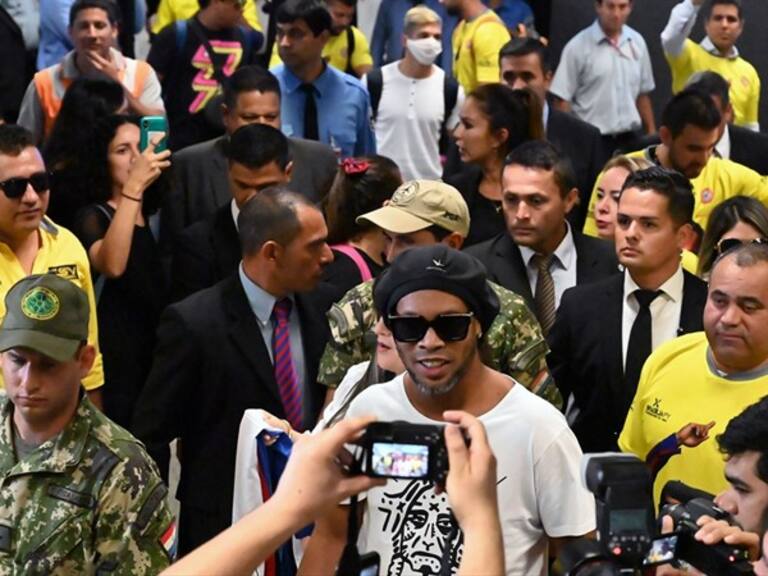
(424, 212)
(78, 493)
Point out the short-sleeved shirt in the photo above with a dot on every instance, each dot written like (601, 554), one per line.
(744, 81)
(62, 254)
(188, 80)
(476, 46)
(602, 80)
(336, 51)
(87, 501)
(168, 11)
(409, 120)
(719, 180)
(514, 343)
(343, 110)
(679, 385)
(539, 487)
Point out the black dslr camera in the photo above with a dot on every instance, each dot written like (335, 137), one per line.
(403, 450)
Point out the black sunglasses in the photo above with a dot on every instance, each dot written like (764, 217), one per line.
(448, 327)
(15, 187)
(728, 244)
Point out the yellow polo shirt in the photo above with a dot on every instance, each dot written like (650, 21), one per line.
(62, 254)
(168, 11)
(742, 77)
(336, 50)
(476, 47)
(721, 179)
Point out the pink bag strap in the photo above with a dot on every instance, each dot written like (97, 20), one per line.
(362, 266)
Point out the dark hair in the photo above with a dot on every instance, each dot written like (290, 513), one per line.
(270, 215)
(249, 79)
(712, 3)
(748, 432)
(693, 107)
(524, 45)
(203, 4)
(97, 177)
(350, 3)
(724, 217)
(109, 6)
(256, 145)
(14, 139)
(86, 101)
(711, 83)
(314, 12)
(519, 111)
(358, 193)
(675, 187)
(544, 155)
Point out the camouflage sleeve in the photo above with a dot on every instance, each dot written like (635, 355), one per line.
(135, 529)
(515, 345)
(352, 341)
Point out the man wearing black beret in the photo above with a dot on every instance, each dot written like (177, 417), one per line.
(437, 303)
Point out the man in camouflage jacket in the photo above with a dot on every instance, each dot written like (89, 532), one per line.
(79, 495)
(425, 212)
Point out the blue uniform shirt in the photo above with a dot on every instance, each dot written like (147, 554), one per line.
(343, 110)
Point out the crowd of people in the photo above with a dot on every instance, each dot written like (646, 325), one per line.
(405, 216)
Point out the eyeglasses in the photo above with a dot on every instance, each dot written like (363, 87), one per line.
(728, 244)
(15, 187)
(448, 327)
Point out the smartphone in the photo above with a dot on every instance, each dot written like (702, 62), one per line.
(663, 550)
(151, 127)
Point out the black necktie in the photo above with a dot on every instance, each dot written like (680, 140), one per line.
(640, 343)
(311, 131)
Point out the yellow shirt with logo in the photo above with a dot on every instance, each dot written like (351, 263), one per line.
(336, 50)
(741, 75)
(679, 386)
(62, 254)
(168, 11)
(476, 47)
(721, 179)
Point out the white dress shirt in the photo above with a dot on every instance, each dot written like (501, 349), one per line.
(665, 311)
(562, 269)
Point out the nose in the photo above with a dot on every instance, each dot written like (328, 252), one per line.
(431, 341)
(731, 316)
(725, 501)
(602, 206)
(29, 196)
(519, 84)
(522, 212)
(327, 256)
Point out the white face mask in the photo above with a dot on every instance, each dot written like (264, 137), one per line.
(424, 50)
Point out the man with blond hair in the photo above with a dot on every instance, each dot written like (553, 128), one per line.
(414, 102)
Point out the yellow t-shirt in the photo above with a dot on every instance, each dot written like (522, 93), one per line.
(476, 47)
(336, 50)
(62, 254)
(740, 74)
(168, 11)
(677, 387)
(721, 179)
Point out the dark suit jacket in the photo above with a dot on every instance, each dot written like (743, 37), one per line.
(580, 142)
(211, 364)
(13, 72)
(586, 357)
(595, 259)
(200, 182)
(205, 253)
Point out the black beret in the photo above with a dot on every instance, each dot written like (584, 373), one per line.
(437, 267)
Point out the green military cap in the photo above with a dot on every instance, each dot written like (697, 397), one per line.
(47, 314)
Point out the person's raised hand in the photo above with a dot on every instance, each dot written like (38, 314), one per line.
(146, 168)
(713, 532)
(314, 479)
(104, 65)
(692, 434)
(668, 527)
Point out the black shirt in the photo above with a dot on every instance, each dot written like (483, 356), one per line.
(486, 218)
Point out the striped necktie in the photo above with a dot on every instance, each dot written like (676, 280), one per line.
(545, 292)
(285, 375)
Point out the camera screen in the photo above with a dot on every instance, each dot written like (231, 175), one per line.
(628, 520)
(662, 551)
(400, 460)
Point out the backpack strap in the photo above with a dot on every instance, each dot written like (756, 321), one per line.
(354, 255)
(350, 51)
(374, 81)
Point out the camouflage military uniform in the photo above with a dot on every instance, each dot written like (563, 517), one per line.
(514, 344)
(87, 501)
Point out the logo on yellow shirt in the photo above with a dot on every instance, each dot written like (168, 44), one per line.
(654, 410)
(66, 271)
(707, 196)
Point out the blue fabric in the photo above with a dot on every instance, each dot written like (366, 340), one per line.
(343, 110)
(54, 32)
(514, 12)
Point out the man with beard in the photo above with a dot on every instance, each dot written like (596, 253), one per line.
(437, 303)
(690, 129)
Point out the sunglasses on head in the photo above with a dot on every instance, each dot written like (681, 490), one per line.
(16, 187)
(448, 327)
(728, 244)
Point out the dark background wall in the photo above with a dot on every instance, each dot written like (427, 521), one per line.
(649, 18)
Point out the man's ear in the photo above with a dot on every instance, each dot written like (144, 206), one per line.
(665, 136)
(289, 170)
(271, 250)
(86, 358)
(571, 199)
(454, 240)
